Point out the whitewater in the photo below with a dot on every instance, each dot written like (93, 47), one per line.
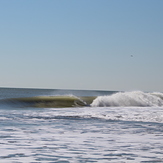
(91, 126)
(135, 98)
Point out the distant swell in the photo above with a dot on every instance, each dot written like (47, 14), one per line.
(135, 98)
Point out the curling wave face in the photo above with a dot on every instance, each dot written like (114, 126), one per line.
(49, 101)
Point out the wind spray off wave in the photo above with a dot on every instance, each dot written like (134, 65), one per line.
(135, 98)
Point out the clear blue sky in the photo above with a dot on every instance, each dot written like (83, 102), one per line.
(82, 44)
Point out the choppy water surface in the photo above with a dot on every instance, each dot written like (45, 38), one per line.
(81, 134)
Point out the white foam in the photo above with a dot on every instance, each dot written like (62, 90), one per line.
(159, 94)
(135, 98)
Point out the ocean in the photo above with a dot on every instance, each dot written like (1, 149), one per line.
(80, 126)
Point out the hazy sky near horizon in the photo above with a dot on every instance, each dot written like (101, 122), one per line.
(86, 44)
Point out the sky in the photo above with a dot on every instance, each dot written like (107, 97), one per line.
(86, 44)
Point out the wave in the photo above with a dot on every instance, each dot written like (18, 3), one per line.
(119, 99)
(134, 98)
(49, 101)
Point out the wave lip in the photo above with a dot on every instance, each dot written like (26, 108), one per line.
(134, 98)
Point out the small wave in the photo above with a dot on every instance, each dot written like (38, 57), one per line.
(135, 98)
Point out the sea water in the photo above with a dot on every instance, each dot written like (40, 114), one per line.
(117, 127)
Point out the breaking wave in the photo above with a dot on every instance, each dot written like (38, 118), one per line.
(135, 98)
(119, 99)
